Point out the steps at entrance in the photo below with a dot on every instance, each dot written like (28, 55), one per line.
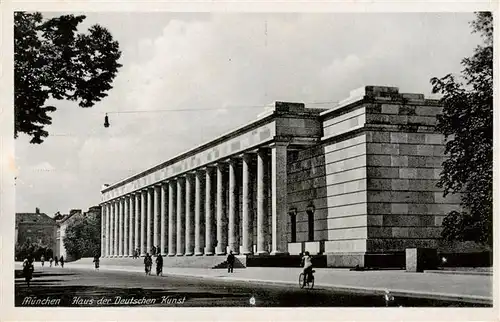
(215, 262)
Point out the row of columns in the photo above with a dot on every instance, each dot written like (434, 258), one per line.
(178, 215)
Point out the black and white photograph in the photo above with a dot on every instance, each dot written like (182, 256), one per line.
(250, 159)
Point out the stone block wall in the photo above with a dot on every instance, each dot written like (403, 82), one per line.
(372, 179)
(404, 157)
(307, 187)
(332, 178)
(347, 196)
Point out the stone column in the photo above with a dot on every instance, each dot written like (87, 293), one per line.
(156, 211)
(198, 212)
(103, 223)
(221, 211)
(233, 229)
(137, 222)
(115, 232)
(120, 226)
(172, 220)
(279, 198)
(131, 211)
(247, 211)
(125, 225)
(114, 219)
(262, 209)
(144, 195)
(181, 208)
(108, 229)
(163, 215)
(189, 216)
(209, 213)
(149, 219)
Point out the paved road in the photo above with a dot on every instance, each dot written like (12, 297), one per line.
(81, 287)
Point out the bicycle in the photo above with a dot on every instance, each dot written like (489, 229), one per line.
(309, 283)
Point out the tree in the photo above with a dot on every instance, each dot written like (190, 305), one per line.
(53, 60)
(83, 236)
(34, 249)
(467, 124)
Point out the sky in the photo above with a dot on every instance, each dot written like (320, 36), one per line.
(233, 65)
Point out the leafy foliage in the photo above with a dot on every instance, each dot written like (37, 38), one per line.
(36, 250)
(467, 123)
(53, 60)
(83, 236)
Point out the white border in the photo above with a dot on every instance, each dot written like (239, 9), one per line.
(7, 165)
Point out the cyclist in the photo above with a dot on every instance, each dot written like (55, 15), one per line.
(308, 266)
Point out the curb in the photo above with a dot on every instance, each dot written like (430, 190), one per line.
(476, 299)
(458, 272)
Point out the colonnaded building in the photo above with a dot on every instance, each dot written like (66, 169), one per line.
(355, 183)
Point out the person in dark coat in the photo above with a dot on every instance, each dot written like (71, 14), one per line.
(230, 262)
(61, 260)
(159, 265)
(96, 262)
(148, 262)
(56, 261)
(28, 269)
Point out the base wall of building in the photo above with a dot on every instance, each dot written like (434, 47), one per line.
(366, 260)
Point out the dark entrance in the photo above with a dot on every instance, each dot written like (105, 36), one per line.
(310, 222)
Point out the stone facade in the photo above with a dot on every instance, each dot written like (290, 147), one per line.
(352, 182)
(373, 179)
(37, 228)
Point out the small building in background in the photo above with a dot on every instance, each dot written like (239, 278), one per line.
(36, 228)
(64, 220)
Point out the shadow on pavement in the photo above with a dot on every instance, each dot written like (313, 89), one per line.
(19, 274)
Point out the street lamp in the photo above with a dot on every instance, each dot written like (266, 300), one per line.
(106, 121)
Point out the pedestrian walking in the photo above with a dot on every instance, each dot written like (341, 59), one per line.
(28, 269)
(159, 265)
(148, 262)
(62, 261)
(50, 261)
(42, 260)
(96, 262)
(56, 261)
(230, 262)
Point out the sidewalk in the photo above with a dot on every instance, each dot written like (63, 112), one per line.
(468, 288)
